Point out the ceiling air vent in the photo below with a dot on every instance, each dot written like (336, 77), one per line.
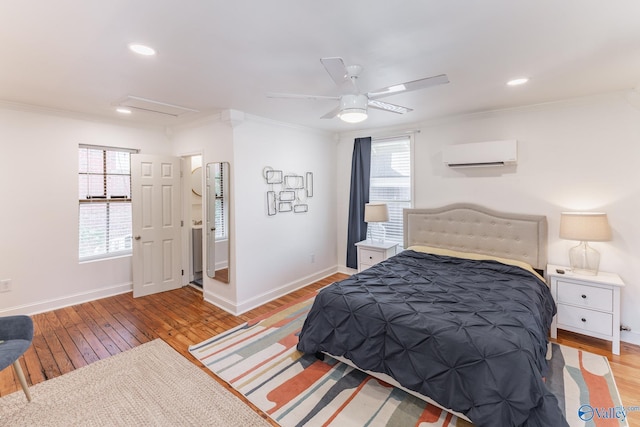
(149, 105)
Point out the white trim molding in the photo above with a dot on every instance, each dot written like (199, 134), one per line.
(69, 300)
(243, 307)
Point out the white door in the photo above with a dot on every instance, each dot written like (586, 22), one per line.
(155, 200)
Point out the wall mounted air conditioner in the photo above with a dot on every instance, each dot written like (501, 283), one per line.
(481, 154)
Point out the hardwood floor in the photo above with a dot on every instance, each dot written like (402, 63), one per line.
(72, 337)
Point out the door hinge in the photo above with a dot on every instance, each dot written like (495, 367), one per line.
(181, 223)
(182, 272)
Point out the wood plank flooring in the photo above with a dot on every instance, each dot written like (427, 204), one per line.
(72, 337)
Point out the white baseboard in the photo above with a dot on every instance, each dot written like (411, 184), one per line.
(219, 302)
(243, 307)
(346, 270)
(66, 301)
(630, 337)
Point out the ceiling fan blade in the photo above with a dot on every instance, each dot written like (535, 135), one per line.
(409, 86)
(339, 73)
(331, 114)
(299, 96)
(386, 106)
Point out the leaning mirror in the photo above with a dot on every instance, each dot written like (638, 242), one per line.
(196, 181)
(217, 234)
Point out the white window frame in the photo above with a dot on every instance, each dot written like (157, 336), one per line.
(104, 199)
(410, 203)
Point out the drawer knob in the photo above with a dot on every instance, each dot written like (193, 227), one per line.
(584, 296)
(583, 319)
(370, 257)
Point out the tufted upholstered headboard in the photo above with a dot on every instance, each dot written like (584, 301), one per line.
(471, 228)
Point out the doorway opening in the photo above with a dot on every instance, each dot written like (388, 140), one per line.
(193, 214)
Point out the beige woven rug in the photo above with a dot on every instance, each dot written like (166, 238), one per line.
(150, 385)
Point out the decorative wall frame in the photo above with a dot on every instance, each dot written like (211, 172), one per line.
(309, 184)
(285, 207)
(287, 192)
(273, 177)
(272, 208)
(293, 182)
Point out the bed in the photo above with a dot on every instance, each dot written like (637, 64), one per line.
(460, 318)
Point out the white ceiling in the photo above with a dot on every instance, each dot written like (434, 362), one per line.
(227, 54)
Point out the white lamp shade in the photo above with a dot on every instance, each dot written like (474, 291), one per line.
(376, 212)
(585, 226)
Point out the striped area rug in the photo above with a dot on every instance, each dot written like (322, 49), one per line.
(260, 360)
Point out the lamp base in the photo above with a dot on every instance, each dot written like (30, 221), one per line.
(584, 259)
(382, 233)
(379, 232)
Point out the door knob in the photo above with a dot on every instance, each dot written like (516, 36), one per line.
(137, 237)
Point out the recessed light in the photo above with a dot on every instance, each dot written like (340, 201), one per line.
(141, 49)
(518, 81)
(123, 110)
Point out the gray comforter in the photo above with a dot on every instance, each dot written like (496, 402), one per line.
(469, 334)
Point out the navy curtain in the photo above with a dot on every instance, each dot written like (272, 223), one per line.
(360, 173)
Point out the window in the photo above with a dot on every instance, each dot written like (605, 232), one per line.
(391, 183)
(104, 184)
(220, 208)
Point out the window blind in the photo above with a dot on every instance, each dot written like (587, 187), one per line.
(104, 194)
(390, 183)
(220, 206)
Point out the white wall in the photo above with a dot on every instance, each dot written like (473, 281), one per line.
(576, 155)
(270, 256)
(39, 213)
(273, 253)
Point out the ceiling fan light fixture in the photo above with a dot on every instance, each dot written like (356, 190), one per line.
(353, 115)
(353, 108)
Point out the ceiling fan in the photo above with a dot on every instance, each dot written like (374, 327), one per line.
(353, 104)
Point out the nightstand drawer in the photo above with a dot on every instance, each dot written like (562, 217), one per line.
(362, 267)
(588, 320)
(585, 296)
(370, 257)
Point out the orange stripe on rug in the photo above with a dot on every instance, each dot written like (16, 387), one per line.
(431, 414)
(598, 387)
(295, 385)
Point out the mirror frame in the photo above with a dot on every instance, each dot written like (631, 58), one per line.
(196, 181)
(218, 250)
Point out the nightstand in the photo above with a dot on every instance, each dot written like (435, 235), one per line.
(588, 305)
(371, 252)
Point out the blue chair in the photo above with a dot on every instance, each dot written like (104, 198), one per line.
(16, 334)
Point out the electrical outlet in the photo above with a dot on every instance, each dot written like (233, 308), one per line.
(5, 285)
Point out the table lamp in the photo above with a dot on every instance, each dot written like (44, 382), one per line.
(376, 213)
(585, 227)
